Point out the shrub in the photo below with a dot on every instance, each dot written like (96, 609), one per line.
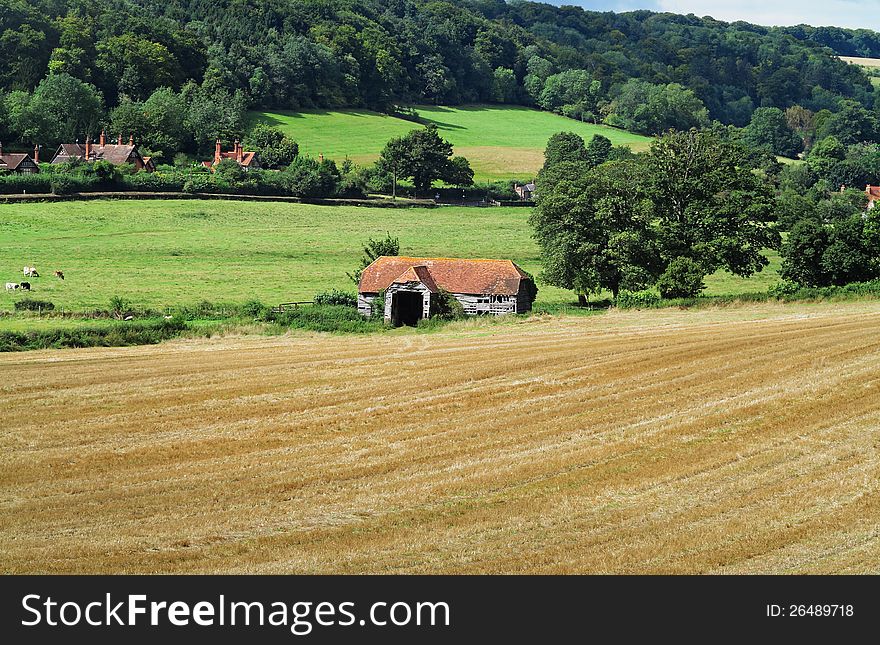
(116, 335)
(329, 318)
(335, 297)
(306, 177)
(447, 307)
(683, 278)
(34, 305)
(637, 300)
(119, 305)
(254, 309)
(17, 184)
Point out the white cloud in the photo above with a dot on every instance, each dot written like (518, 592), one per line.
(840, 13)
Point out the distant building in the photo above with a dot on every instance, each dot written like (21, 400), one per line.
(526, 193)
(873, 193)
(244, 158)
(411, 287)
(19, 163)
(116, 153)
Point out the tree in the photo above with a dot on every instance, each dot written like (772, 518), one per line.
(274, 148)
(539, 70)
(306, 177)
(852, 123)
(129, 119)
(769, 130)
(213, 114)
(594, 228)
(504, 87)
(711, 205)
(819, 254)
(374, 249)
(423, 156)
(459, 173)
(62, 109)
(166, 112)
(683, 278)
(802, 254)
(598, 151)
(136, 66)
(651, 109)
(574, 87)
(564, 146)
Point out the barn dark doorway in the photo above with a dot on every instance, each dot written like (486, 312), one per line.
(406, 308)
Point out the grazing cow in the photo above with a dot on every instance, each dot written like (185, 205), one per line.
(31, 272)
(59, 274)
(25, 286)
(11, 286)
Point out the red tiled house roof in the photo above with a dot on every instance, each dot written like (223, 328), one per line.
(116, 153)
(476, 277)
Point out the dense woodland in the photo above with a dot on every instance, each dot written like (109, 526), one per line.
(213, 59)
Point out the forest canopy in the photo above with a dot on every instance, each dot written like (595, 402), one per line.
(135, 64)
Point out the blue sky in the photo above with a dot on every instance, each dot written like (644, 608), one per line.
(841, 13)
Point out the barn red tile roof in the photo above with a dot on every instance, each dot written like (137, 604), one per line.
(497, 277)
(873, 192)
(417, 274)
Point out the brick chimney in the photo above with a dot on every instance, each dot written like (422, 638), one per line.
(36, 153)
(217, 152)
(88, 147)
(131, 139)
(119, 139)
(103, 140)
(238, 151)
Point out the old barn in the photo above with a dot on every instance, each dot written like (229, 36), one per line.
(411, 287)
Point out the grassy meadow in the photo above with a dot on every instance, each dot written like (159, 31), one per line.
(501, 141)
(172, 252)
(740, 440)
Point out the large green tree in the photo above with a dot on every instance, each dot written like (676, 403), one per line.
(62, 109)
(769, 129)
(711, 204)
(275, 149)
(594, 227)
(424, 157)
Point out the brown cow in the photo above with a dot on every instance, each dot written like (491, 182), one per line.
(59, 274)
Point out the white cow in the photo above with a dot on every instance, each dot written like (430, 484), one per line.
(30, 272)
(11, 286)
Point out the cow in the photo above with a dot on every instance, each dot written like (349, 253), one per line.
(25, 286)
(11, 286)
(30, 272)
(59, 274)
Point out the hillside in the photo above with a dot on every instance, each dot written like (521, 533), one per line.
(501, 142)
(178, 74)
(726, 441)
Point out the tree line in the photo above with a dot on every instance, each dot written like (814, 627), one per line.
(696, 202)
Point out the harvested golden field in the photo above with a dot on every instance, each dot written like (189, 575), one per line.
(740, 440)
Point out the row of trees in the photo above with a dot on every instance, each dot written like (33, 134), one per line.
(691, 205)
(697, 202)
(64, 109)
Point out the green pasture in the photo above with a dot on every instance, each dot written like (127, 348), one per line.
(167, 253)
(501, 141)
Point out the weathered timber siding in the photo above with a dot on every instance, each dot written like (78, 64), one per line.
(365, 303)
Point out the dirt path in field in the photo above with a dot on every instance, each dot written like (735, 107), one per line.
(741, 440)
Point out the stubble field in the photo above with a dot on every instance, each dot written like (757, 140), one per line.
(740, 440)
